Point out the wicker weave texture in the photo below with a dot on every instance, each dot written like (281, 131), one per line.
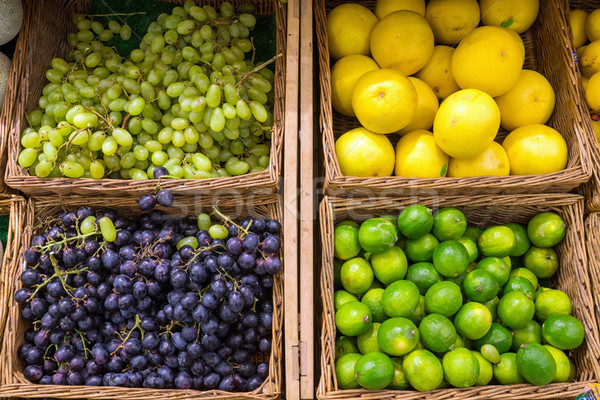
(40, 41)
(37, 210)
(573, 277)
(548, 50)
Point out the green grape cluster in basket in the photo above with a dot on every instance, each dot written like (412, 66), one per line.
(190, 99)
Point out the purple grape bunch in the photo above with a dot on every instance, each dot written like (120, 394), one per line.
(164, 304)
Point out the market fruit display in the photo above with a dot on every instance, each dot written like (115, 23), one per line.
(190, 99)
(471, 57)
(445, 303)
(150, 301)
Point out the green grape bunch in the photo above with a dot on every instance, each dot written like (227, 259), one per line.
(190, 99)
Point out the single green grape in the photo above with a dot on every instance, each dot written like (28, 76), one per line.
(107, 229)
(218, 231)
(188, 241)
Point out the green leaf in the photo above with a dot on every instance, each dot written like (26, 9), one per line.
(507, 23)
(443, 171)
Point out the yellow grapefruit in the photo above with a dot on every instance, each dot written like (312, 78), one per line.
(592, 92)
(530, 101)
(363, 153)
(592, 25)
(427, 107)
(437, 73)
(535, 149)
(451, 20)
(589, 62)
(349, 28)
(385, 7)
(517, 15)
(417, 155)
(493, 161)
(489, 58)
(577, 20)
(384, 100)
(344, 75)
(403, 40)
(466, 123)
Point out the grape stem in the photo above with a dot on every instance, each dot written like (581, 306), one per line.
(138, 325)
(83, 340)
(229, 221)
(47, 247)
(255, 69)
(57, 274)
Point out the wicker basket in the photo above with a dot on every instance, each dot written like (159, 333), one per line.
(573, 278)
(41, 41)
(592, 240)
(12, 381)
(548, 51)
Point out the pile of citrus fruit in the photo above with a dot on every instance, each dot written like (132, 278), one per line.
(585, 28)
(424, 300)
(393, 66)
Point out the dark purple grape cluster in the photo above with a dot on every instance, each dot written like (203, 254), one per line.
(165, 304)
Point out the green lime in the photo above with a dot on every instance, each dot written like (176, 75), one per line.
(497, 241)
(473, 321)
(424, 275)
(539, 291)
(481, 286)
(543, 262)
(552, 302)
(374, 371)
(341, 297)
(337, 267)
(563, 366)
(443, 298)
(536, 364)
(461, 368)
(419, 313)
(490, 353)
(546, 229)
(345, 345)
(345, 241)
(400, 382)
(530, 333)
(449, 224)
(471, 248)
(519, 284)
(373, 300)
(473, 233)
(376, 235)
(563, 331)
(353, 318)
(515, 309)
(400, 298)
(367, 342)
(492, 305)
(347, 222)
(390, 265)
(450, 258)
(415, 221)
(437, 333)
(527, 274)
(397, 336)
(421, 249)
(498, 336)
(486, 371)
(497, 267)
(506, 372)
(344, 371)
(522, 240)
(356, 275)
(423, 370)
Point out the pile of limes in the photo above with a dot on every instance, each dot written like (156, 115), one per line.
(426, 301)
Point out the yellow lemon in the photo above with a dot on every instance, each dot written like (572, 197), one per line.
(535, 149)
(489, 58)
(517, 15)
(363, 153)
(592, 93)
(596, 127)
(385, 7)
(493, 161)
(403, 40)
(349, 28)
(577, 20)
(466, 123)
(437, 73)
(384, 100)
(592, 25)
(584, 82)
(344, 75)
(427, 107)
(579, 54)
(530, 101)
(589, 62)
(451, 20)
(417, 155)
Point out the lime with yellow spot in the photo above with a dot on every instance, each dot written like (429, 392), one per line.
(449, 223)
(389, 265)
(397, 336)
(341, 297)
(525, 273)
(490, 353)
(344, 371)
(400, 298)
(376, 235)
(497, 267)
(461, 368)
(345, 242)
(421, 249)
(347, 222)
(506, 372)
(450, 258)
(515, 309)
(486, 371)
(480, 286)
(423, 370)
(400, 382)
(373, 300)
(345, 345)
(530, 333)
(353, 319)
(546, 229)
(497, 241)
(374, 371)
(473, 321)
(543, 262)
(552, 302)
(563, 366)
(356, 275)
(443, 298)
(367, 342)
